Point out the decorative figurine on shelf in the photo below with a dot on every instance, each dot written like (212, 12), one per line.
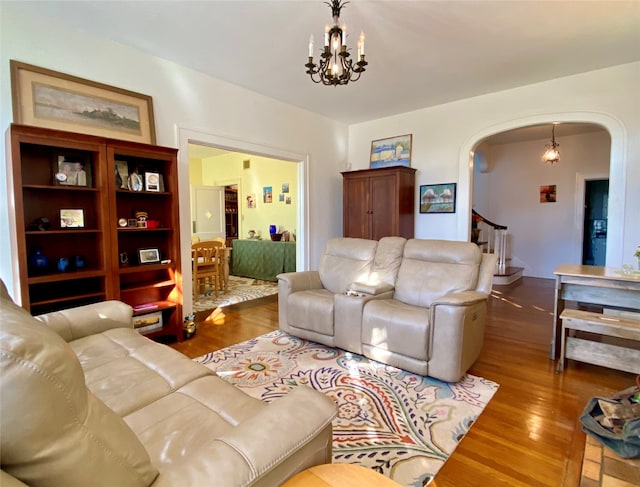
(190, 327)
(135, 181)
(141, 219)
(41, 224)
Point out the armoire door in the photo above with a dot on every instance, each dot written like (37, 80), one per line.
(356, 214)
(383, 206)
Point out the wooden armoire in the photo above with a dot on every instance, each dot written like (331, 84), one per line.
(379, 202)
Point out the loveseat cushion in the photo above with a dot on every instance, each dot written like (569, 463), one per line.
(387, 260)
(391, 325)
(54, 431)
(346, 260)
(433, 268)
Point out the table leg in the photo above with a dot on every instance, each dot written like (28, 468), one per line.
(558, 307)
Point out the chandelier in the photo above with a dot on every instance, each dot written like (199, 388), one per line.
(335, 66)
(552, 154)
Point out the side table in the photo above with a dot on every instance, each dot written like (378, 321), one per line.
(339, 475)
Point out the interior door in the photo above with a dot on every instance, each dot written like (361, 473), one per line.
(207, 212)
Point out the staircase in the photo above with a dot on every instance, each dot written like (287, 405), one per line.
(492, 239)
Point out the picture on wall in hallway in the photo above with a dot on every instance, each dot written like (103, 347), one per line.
(267, 194)
(548, 194)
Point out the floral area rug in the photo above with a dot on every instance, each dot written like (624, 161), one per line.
(239, 289)
(402, 425)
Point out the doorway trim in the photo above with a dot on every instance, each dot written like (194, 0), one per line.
(617, 171)
(186, 135)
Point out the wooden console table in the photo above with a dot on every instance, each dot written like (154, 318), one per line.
(262, 259)
(603, 286)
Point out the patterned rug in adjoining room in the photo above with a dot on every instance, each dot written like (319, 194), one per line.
(239, 289)
(403, 425)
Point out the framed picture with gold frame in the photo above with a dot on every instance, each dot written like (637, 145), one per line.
(45, 98)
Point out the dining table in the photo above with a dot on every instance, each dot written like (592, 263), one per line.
(262, 259)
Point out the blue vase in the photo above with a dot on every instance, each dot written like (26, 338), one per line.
(39, 261)
(78, 261)
(63, 264)
(272, 229)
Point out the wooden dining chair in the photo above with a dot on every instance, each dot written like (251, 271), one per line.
(205, 257)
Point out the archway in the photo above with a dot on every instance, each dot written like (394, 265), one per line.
(616, 180)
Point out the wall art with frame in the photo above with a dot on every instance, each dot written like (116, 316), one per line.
(393, 151)
(46, 98)
(438, 198)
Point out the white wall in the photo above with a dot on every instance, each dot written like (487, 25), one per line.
(541, 234)
(181, 97)
(263, 171)
(444, 137)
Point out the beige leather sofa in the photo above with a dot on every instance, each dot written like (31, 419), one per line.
(87, 401)
(419, 305)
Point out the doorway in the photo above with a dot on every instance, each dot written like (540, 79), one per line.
(594, 240)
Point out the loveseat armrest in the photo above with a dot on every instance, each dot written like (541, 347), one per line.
(457, 333)
(262, 442)
(372, 289)
(74, 323)
(463, 298)
(292, 282)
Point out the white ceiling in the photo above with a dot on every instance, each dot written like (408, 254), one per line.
(420, 53)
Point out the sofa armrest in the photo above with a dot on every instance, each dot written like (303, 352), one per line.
(464, 298)
(290, 283)
(303, 412)
(299, 281)
(456, 333)
(74, 323)
(372, 289)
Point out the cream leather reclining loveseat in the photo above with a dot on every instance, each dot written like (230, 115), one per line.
(147, 415)
(419, 305)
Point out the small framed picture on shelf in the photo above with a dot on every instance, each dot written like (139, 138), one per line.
(132, 223)
(71, 218)
(71, 171)
(152, 181)
(150, 255)
(122, 175)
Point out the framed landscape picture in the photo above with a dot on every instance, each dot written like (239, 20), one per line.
(438, 198)
(46, 98)
(394, 151)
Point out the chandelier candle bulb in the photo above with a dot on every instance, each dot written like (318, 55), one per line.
(362, 43)
(326, 35)
(311, 46)
(344, 35)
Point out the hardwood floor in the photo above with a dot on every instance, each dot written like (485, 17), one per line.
(529, 434)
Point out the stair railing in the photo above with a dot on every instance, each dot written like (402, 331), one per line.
(493, 236)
